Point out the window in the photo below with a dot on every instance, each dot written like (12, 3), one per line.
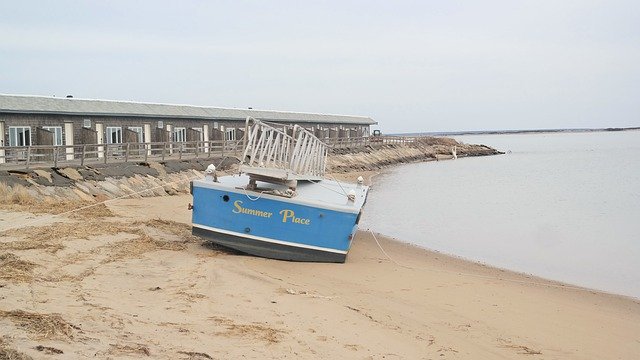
(19, 136)
(180, 134)
(57, 134)
(230, 134)
(160, 124)
(201, 136)
(86, 123)
(139, 132)
(114, 135)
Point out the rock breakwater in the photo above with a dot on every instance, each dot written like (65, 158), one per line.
(426, 149)
(108, 181)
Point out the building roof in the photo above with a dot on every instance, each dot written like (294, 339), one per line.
(25, 104)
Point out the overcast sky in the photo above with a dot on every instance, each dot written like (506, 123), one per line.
(410, 65)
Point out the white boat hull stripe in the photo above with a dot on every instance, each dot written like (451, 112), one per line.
(260, 238)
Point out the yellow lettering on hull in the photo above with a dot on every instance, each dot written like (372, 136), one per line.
(290, 217)
(238, 209)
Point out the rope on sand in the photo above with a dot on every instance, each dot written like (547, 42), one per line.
(385, 253)
(30, 223)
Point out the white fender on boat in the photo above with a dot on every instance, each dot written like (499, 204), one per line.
(352, 195)
(210, 173)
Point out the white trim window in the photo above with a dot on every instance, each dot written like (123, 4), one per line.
(57, 134)
(19, 135)
(230, 134)
(138, 130)
(114, 135)
(179, 134)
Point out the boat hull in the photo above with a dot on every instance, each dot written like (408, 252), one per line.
(268, 249)
(272, 226)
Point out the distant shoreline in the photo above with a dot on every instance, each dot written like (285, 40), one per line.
(503, 132)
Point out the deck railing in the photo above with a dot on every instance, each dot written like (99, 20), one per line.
(290, 148)
(25, 157)
(84, 154)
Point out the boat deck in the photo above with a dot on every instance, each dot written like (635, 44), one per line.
(325, 193)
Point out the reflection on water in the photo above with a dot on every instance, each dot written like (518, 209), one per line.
(560, 206)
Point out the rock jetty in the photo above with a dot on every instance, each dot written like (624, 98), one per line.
(108, 181)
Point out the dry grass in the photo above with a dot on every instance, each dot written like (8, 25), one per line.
(7, 353)
(30, 245)
(15, 195)
(149, 236)
(97, 227)
(76, 230)
(11, 354)
(142, 244)
(85, 210)
(179, 229)
(135, 349)
(14, 269)
(255, 330)
(42, 326)
(18, 198)
(49, 237)
(431, 140)
(193, 355)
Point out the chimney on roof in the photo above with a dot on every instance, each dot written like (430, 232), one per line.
(69, 96)
(250, 108)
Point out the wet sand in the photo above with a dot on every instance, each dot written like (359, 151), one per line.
(137, 285)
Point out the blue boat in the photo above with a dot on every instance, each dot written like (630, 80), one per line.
(279, 206)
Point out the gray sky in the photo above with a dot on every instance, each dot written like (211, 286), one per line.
(411, 65)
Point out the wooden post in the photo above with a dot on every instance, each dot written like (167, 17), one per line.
(126, 154)
(55, 156)
(245, 135)
(164, 149)
(84, 148)
(105, 152)
(146, 151)
(28, 156)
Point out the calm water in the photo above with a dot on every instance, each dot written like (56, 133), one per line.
(561, 206)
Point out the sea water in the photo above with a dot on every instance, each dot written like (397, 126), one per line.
(564, 206)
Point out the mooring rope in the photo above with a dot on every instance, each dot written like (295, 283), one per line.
(30, 223)
(40, 219)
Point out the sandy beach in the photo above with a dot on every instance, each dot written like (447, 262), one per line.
(129, 281)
